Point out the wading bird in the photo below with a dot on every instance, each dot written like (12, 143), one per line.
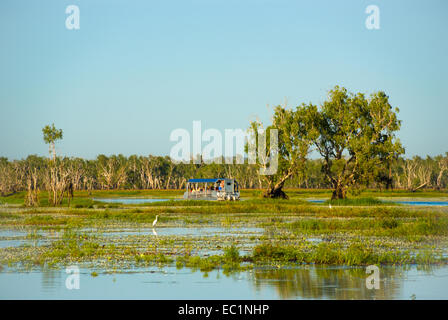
(154, 222)
(329, 205)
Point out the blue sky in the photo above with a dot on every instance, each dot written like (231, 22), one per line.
(136, 70)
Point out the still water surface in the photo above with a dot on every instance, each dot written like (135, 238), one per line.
(305, 282)
(409, 203)
(130, 200)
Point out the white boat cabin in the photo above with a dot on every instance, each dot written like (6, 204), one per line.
(212, 189)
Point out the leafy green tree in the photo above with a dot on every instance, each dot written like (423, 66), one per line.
(292, 148)
(354, 135)
(51, 135)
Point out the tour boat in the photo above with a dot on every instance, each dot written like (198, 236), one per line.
(212, 189)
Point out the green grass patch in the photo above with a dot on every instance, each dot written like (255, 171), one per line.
(383, 226)
(334, 254)
(357, 202)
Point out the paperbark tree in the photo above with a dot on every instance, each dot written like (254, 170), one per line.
(291, 149)
(33, 168)
(32, 195)
(354, 135)
(442, 164)
(51, 135)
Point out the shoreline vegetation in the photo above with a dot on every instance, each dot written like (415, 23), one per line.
(354, 135)
(232, 236)
(51, 216)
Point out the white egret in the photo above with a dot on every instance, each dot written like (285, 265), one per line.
(329, 205)
(154, 222)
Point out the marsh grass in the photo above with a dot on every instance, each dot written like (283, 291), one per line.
(380, 226)
(262, 208)
(151, 258)
(33, 235)
(335, 254)
(129, 215)
(8, 215)
(249, 208)
(369, 201)
(77, 247)
(232, 254)
(390, 234)
(230, 261)
(375, 193)
(45, 220)
(82, 197)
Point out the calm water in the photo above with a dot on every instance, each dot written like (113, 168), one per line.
(169, 283)
(182, 231)
(304, 282)
(410, 203)
(424, 203)
(130, 200)
(17, 238)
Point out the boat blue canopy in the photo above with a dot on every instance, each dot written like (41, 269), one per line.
(205, 180)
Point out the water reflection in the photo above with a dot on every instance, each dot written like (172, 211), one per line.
(304, 282)
(51, 279)
(328, 283)
(409, 203)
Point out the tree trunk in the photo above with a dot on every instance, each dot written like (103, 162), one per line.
(275, 192)
(419, 187)
(338, 193)
(389, 180)
(439, 179)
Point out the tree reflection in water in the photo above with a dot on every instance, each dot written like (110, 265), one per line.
(51, 279)
(320, 282)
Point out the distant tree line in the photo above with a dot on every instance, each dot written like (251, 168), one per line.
(155, 172)
(353, 134)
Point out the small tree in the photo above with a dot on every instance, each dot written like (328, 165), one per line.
(33, 166)
(32, 195)
(57, 177)
(58, 181)
(51, 134)
(442, 167)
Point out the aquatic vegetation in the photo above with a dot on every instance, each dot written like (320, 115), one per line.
(45, 220)
(230, 261)
(209, 235)
(390, 223)
(153, 258)
(6, 215)
(380, 226)
(354, 254)
(232, 254)
(33, 235)
(369, 201)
